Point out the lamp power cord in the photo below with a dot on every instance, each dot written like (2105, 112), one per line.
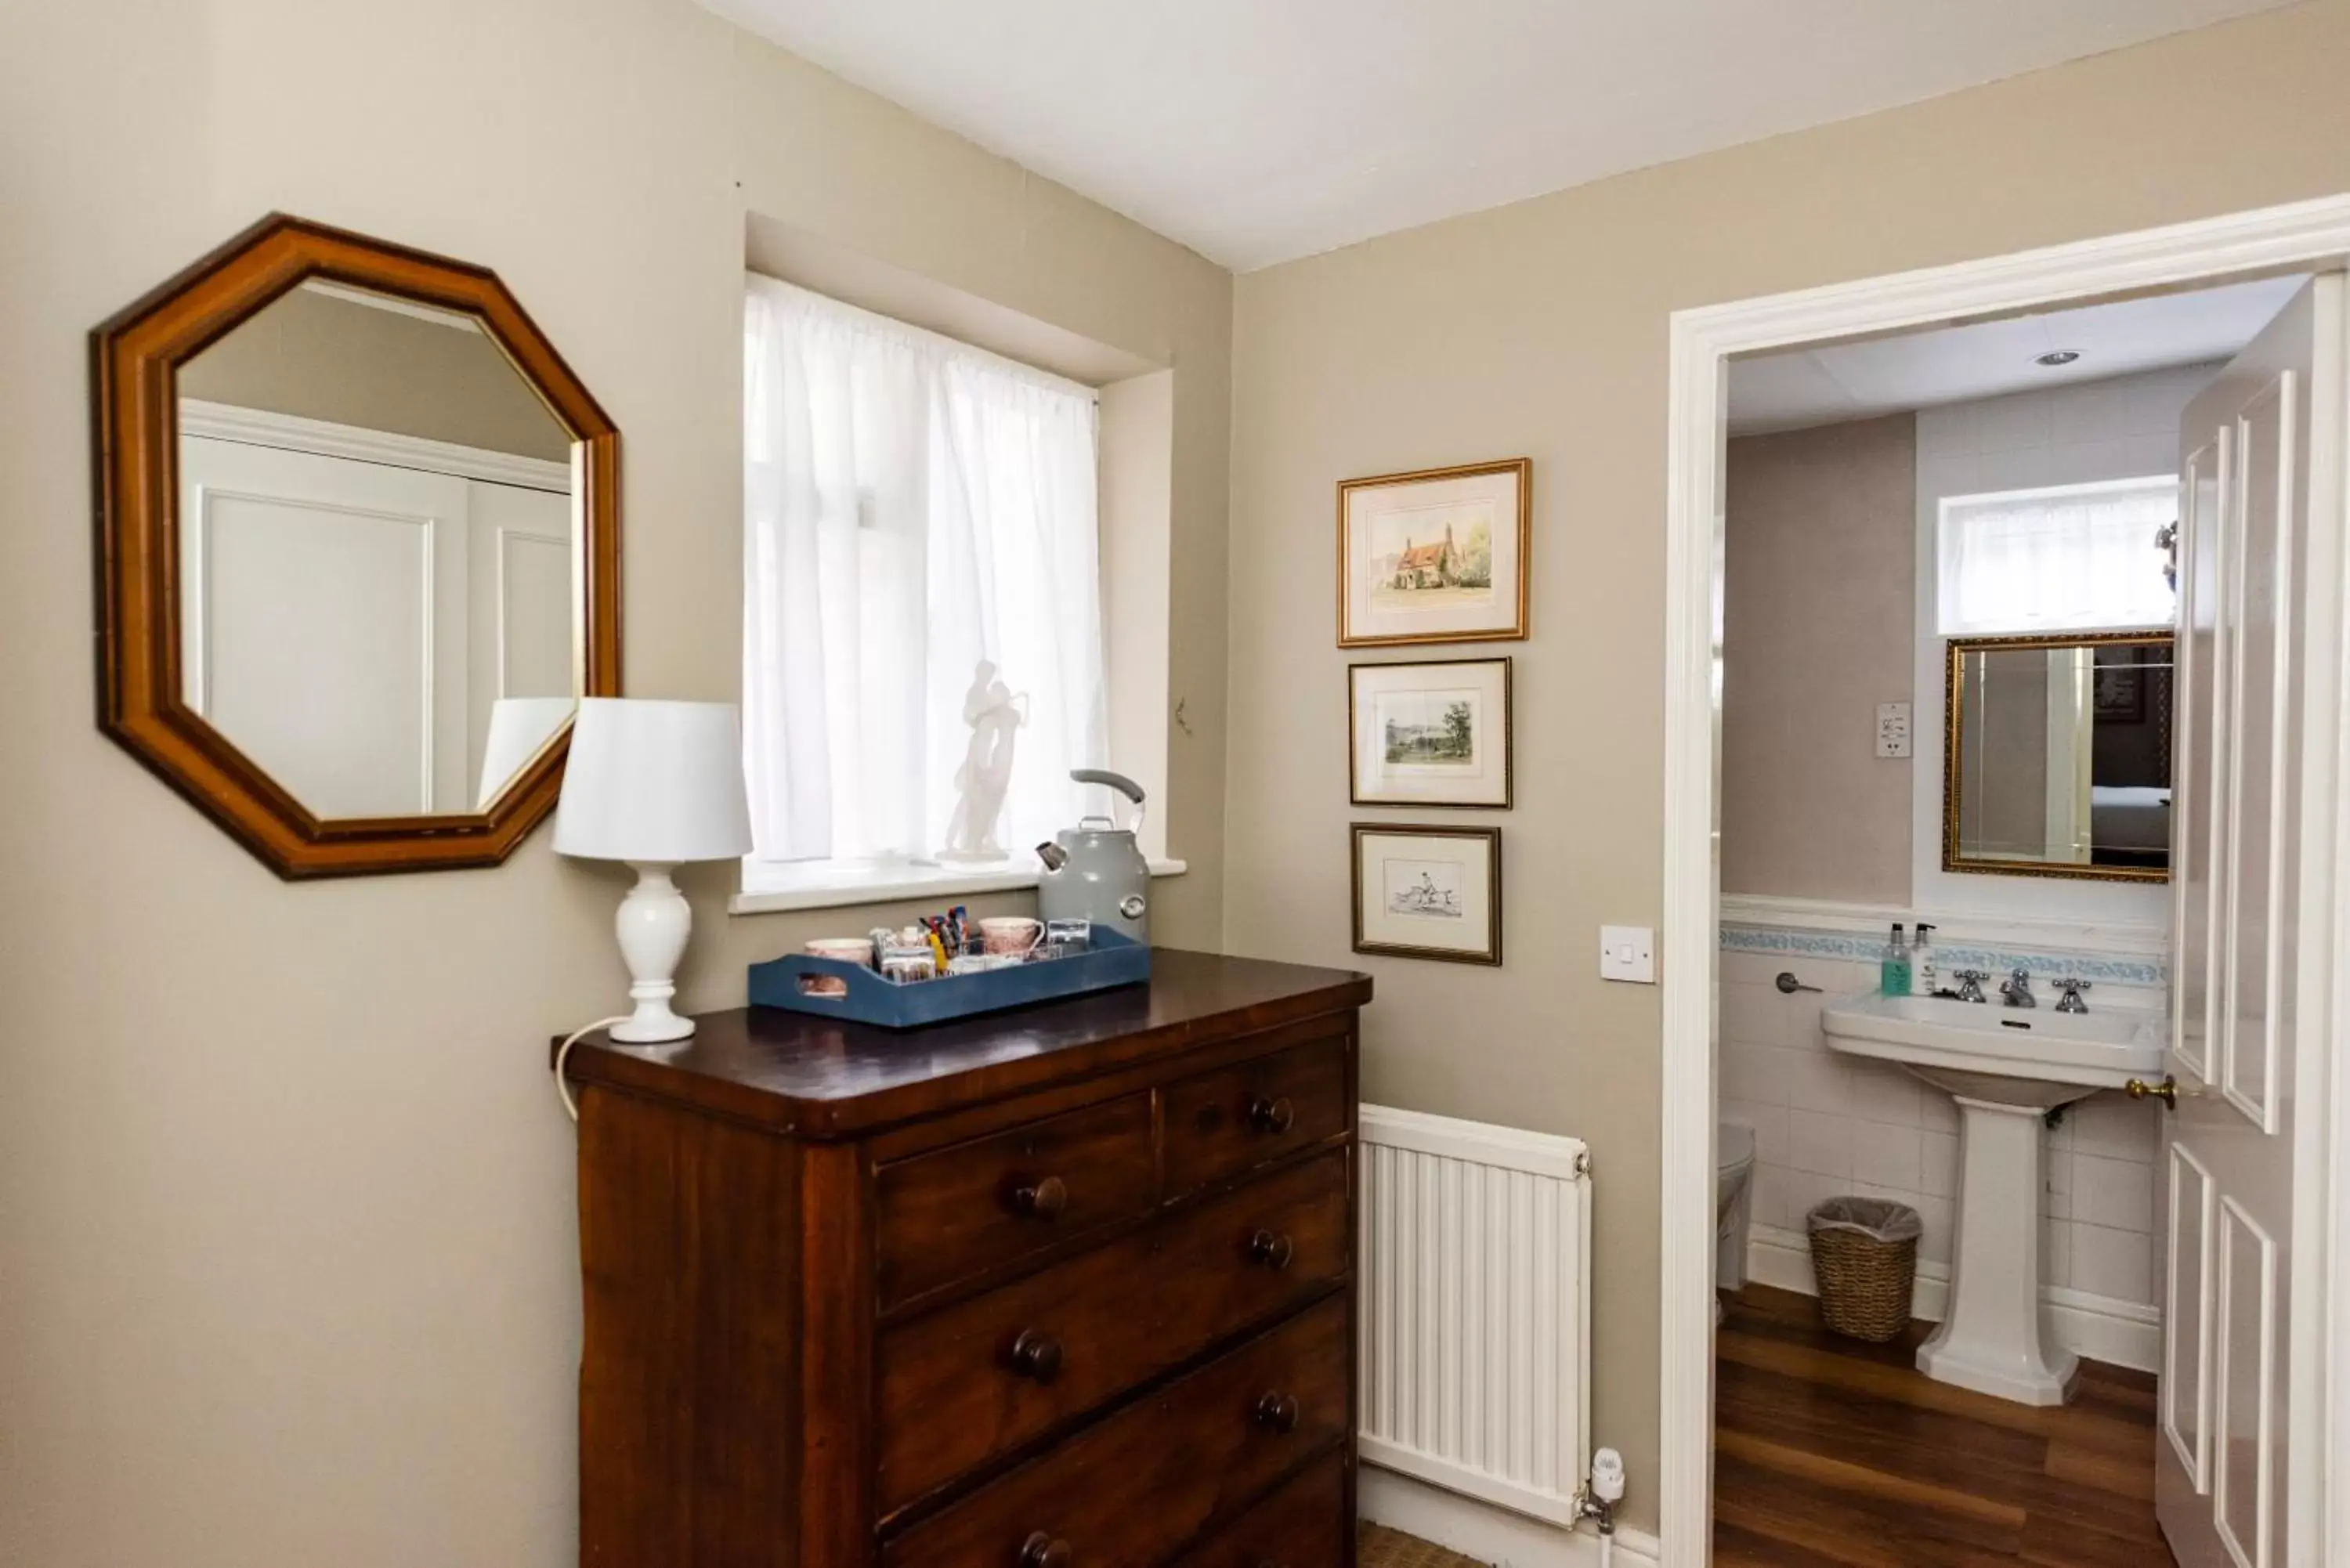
(563, 1054)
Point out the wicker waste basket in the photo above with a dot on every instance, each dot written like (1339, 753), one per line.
(1865, 1256)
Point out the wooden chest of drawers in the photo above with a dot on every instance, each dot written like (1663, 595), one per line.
(1070, 1287)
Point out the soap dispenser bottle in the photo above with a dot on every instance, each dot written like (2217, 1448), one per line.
(1921, 962)
(1894, 973)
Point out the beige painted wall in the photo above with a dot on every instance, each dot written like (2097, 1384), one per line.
(1819, 607)
(1540, 330)
(286, 1201)
(323, 358)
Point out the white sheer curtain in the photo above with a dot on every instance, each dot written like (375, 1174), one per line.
(2080, 558)
(913, 506)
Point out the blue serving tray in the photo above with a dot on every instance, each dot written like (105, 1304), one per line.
(1114, 961)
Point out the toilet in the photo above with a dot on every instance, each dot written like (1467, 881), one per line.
(1734, 1203)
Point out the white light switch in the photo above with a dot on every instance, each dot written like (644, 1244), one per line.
(1893, 729)
(1628, 952)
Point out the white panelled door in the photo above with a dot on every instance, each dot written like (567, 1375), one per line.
(2236, 1467)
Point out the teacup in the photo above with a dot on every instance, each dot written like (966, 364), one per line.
(1010, 935)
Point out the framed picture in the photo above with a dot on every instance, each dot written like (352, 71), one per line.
(1435, 556)
(1429, 892)
(1429, 733)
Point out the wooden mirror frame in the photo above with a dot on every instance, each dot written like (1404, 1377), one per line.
(135, 358)
(1953, 747)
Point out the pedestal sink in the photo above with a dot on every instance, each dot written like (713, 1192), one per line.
(2006, 1067)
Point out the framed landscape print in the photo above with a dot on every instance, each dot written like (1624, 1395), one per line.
(1435, 556)
(1430, 733)
(1429, 892)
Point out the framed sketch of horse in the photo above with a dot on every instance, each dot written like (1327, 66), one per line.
(1439, 556)
(1425, 891)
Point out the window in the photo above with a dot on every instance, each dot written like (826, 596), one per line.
(914, 508)
(2075, 559)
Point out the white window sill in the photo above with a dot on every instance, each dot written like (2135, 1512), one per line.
(819, 886)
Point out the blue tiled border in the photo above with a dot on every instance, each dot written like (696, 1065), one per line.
(1846, 945)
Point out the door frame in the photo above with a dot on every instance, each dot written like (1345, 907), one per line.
(2306, 235)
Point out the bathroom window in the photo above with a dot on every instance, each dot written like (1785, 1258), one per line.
(921, 533)
(2083, 557)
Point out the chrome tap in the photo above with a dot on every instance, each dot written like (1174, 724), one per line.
(2016, 990)
(1971, 984)
(2070, 1000)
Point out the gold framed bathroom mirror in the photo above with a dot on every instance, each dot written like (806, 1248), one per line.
(357, 542)
(2057, 756)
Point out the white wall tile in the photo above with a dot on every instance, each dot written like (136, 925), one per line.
(2056, 1253)
(1753, 1073)
(1753, 1014)
(1820, 1144)
(1815, 1080)
(1770, 1196)
(2056, 1184)
(2114, 1192)
(1886, 1155)
(2117, 1263)
(1936, 1112)
(1770, 1124)
(2113, 1128)
(1935, 1214)
(1938, 1164)
(1749, 969)
(1804, 1191)
(1881, 1092)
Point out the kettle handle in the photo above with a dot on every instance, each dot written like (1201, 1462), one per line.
(1119, 782)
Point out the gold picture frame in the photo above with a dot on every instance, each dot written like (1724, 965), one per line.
(1408, 589)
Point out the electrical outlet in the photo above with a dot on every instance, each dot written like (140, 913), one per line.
(1893, 729)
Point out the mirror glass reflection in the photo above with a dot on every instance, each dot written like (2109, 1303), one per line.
(377, 568)
(2061, 755)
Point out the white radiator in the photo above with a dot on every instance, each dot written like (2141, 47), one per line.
(1476, 1309)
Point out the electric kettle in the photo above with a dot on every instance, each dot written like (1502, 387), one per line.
(1095, 871)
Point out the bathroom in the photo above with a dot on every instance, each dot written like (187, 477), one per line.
(1978, 517)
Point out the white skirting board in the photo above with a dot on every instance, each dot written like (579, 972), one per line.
(1489, 1534)
(2096, 1328)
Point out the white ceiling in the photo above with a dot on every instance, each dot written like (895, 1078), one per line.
(1990, 358)
(1259, 130)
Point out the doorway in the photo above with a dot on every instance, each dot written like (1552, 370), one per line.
(2307, 238)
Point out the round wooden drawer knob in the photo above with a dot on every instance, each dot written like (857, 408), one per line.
(1272, 1114)
(1270, 1251)
(1036, 1356)
(1041, 1200)
(1043, 1551)
(1278, 1413)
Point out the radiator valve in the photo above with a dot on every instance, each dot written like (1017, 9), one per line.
(1606, 1490)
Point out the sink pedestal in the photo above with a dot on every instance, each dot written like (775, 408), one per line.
(1991, 1339)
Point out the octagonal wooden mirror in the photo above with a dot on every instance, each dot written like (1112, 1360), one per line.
(358, 550)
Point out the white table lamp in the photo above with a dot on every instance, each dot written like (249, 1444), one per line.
(655, 784)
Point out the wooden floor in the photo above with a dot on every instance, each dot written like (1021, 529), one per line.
(1830, 1451)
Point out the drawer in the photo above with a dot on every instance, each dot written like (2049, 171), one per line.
(1224, 1122)
(1130, 1490)
(957, 1211)
(985, 1375)
(1305, 1524)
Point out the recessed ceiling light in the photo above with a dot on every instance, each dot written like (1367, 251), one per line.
(2056, 357)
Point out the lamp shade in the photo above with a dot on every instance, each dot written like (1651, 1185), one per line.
(657, 782)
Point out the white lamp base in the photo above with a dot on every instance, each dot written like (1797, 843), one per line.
(653, 923)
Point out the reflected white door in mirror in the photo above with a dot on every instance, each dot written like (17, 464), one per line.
(388, 635)
(359, 550)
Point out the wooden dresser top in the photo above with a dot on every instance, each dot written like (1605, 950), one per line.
(817, 1077)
